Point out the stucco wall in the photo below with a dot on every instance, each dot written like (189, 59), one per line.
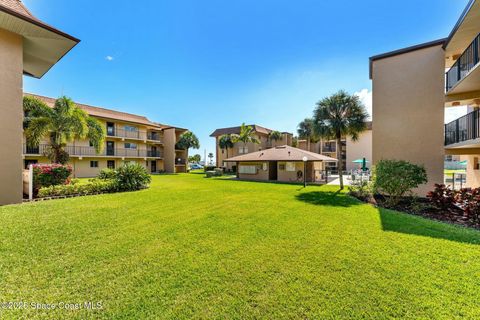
(11, 117)
(289, 176)
(362, 148)
(261, 174)
(169, 149)
(473, 174)
(408, 110)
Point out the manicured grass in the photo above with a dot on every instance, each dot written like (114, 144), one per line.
(191, 247)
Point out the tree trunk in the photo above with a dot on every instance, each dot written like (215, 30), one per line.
(340, 160)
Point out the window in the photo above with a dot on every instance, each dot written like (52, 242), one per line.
(290, 166)
(93, 164)
(243, 150)
(111, 164)
(130, 128)
(247, 169)
(130, 145)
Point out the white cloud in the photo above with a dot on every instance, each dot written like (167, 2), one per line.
(366, 97)
(109, 58)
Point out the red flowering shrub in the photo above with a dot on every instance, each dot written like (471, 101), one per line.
(469, 201)
(442, 196)
(46, 175)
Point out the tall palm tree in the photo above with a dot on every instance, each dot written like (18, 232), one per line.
(275, 136)
(340, 115)
(306, 130)
(187, 140)
(246, 135)
(225, 142)
(63, 123)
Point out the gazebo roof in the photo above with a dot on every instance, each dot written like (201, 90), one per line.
(281, 153)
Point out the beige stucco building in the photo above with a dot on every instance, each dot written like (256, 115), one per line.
(411, 89)
(30, 47)
(280, 164)
(129, 138)
(350, 150)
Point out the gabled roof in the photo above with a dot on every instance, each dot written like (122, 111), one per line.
(281, 153)
(105, 113)
(43, 45)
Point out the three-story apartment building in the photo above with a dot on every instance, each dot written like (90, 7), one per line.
(411, 89)
(129, 138)
(261, 133)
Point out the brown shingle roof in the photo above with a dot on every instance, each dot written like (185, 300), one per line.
(236, 130)
(104, 113)
(282, 153)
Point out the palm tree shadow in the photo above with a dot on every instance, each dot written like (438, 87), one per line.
(327, 198)
(393, 221)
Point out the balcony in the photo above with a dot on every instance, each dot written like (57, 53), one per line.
(76, 151)
(464, 65)
(126, 134)
(154, 136)
(329, 148)
(463, 129)
(180, 162)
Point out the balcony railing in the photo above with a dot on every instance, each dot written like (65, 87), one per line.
(464, 64)
(90, 151)
(154, 136)
(463, 129)
(121, 133)
(329, 148)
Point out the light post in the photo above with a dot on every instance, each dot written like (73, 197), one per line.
(305, 159)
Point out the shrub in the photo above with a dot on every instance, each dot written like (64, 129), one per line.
(361, 188)
(442, 197)
(45, 175)
(131, 177)
(94, 186)
(397, 178)
(209, 168)
(469, 201)
(106, 174)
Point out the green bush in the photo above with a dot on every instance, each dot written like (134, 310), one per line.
(106, 174)
(94, 186)
(131, 177)
(397, 178)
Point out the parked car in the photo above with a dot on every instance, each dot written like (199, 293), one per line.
(195, 166)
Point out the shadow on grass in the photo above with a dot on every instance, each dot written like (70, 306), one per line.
(393, 221)
(327, 198)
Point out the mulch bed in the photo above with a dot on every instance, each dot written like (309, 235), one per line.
(424, 208)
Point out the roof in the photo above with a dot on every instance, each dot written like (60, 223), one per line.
(43, 45)
(104, 113)
(281, 153)
(439, 42)
(236, 130)
(459, 22)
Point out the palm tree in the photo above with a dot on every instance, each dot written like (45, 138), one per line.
(187, 140)
(340, 115)
(274, 135)
(63, 123)
(246, 135)
(225, 142)
(210, 156)
(306, 130)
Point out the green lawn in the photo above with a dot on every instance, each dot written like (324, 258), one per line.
(191, 247)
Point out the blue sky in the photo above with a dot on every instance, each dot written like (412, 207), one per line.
(209, 64)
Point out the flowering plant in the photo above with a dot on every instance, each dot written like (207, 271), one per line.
(46, 175)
